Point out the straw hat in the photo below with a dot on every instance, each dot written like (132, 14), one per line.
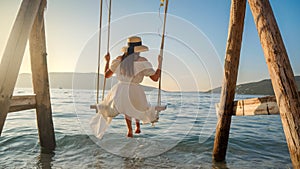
(135, 42)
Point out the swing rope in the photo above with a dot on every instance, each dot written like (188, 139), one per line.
(108, 41)
(162, 50)
(99, 50)
(108, 26)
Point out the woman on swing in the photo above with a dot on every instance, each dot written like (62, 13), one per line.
(127, 96)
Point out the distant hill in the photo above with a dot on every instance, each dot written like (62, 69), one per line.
(70, 80)
(263, 87)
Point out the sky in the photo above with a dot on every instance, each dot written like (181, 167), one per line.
(196, 36)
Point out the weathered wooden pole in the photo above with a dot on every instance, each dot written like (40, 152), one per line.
(13, 54)
(234, 42)
(40, 80)
(281, 74)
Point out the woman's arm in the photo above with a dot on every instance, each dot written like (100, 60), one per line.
(157, 74)
(109, 70)
(108, 73)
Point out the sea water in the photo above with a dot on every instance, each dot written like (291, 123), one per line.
(183, 137)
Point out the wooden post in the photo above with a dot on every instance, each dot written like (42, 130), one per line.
(13, 54)
(40, 80)
(281, 74)
(234, 42)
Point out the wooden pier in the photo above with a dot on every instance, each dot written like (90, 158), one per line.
(286, 96)
(29, 25)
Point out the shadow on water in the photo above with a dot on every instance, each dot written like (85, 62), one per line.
(129, 163)
(45, 158)
(219, 165)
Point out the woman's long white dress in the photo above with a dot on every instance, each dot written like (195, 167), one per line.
(126, 97)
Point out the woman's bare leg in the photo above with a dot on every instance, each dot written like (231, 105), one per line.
(129, 126)
(137, 125)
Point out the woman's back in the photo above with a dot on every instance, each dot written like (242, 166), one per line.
(141, 68)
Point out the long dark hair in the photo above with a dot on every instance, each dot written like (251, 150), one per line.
(128, 58)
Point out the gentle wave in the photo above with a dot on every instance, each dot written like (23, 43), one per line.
(183, 138)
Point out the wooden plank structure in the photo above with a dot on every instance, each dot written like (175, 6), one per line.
(255, 106)
(281, 73)
(29, 24)
(19, 103)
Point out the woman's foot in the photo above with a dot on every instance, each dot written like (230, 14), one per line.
(129, 134)
(138, 127)
(137, 131)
